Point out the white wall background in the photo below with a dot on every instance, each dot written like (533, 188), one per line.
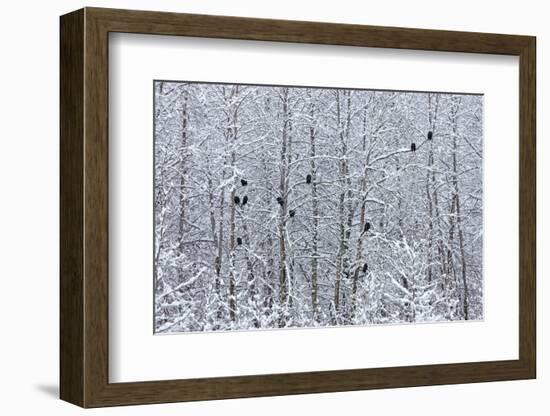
(29, 206)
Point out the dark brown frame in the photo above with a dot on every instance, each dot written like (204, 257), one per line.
(84, 209)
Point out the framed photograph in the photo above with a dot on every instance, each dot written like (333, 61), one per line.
(257, 207)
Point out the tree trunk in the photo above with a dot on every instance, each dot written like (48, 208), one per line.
(283, 188)
(183, 174)
(342, 262)
(362, 220)
(232, 135)
(465, 299)
(315, 215)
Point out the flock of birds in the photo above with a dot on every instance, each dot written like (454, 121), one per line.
(292, 212)
(413, 144)
(242, 202)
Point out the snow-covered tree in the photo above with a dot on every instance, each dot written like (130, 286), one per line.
(305, 207)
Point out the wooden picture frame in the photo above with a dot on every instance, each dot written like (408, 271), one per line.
(84, 207)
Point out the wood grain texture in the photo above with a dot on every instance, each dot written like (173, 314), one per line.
(527, 208)
(71, 213)
(84, 207)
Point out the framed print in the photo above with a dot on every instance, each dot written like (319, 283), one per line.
(257, 207)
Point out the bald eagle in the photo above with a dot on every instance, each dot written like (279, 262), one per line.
(367, 227)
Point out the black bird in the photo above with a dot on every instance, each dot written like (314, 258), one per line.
(237, 200)
(430, 135)
(367, 227)
(365, 267)
(413, 147)
(245, 200)
(291, 213)
(244, 182)
(308, 178)
(280, 200)
(239, 240)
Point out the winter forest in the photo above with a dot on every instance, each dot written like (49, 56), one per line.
(285, 207)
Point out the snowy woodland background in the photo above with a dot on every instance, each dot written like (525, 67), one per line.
(304, 207)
